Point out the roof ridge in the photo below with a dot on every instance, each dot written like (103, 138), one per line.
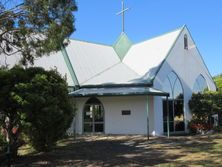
(108, 68)
(157, 36)
(96, 43)
(131, 68)
(111, 45)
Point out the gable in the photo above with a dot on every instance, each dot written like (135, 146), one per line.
(188, 63)
(148, 55)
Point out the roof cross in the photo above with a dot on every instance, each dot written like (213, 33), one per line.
(122, 12)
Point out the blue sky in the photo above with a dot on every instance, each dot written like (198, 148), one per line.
(96, 21)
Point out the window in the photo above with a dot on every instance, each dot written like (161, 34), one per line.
(200, 85)
(173, 86)
(93, 116)
(185, 42)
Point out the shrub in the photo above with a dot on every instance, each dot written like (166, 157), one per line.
(218, 129)
(199, 128)
(203, 106)
(35, 102)
(3, 142)
(47, 108)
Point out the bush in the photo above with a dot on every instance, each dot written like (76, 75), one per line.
(48, 109)
(218, 129)
(203, 106)
(3, 143)
(196, 127)
(36, 103)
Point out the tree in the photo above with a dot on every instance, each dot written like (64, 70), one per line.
(35, 27)
(203, 106)
(47, 109)
(10, 110)
(218, 81)
(35, 102)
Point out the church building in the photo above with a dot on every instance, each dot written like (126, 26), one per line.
(131, 88)
(126, 88)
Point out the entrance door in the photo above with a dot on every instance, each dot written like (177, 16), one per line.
(93, 116)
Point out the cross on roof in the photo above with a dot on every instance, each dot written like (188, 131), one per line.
(122, 12)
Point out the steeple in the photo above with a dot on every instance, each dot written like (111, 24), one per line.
(123, 44)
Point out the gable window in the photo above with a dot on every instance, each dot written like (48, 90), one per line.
(185, 42)
(173, 86)
(200, 85)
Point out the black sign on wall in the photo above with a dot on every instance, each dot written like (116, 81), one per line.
(126, 112)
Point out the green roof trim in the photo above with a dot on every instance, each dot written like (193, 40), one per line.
(122, 45)
(118, 91)
(69, 66)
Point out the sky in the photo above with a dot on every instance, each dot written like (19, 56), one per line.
(96, 21)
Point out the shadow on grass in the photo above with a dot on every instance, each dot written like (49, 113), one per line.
(127, 151)
(100, 153)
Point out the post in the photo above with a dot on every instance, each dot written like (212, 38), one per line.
(8, 155)
(147, 112)
(74, 118)
(168, 123)
(74, 127)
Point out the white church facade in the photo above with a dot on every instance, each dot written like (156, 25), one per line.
(132, 88)
(124, 87)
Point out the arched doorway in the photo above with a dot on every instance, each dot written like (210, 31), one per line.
(93, 116)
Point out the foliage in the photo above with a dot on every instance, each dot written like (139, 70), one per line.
(218, 81)
(35, 27)
(46, 104)
(218, 129)
(196, 127)
(9, 108)
(2, 142)
(35, 101)
(202, 106)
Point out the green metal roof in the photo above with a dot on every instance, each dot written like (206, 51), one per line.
(122, 45)
(117, 91)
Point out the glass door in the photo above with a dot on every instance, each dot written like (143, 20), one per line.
(93, 116)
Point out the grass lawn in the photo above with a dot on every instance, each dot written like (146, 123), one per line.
(129, 151)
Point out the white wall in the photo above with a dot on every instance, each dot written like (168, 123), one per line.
(115, 122)
(188, 65)
(78, 124)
